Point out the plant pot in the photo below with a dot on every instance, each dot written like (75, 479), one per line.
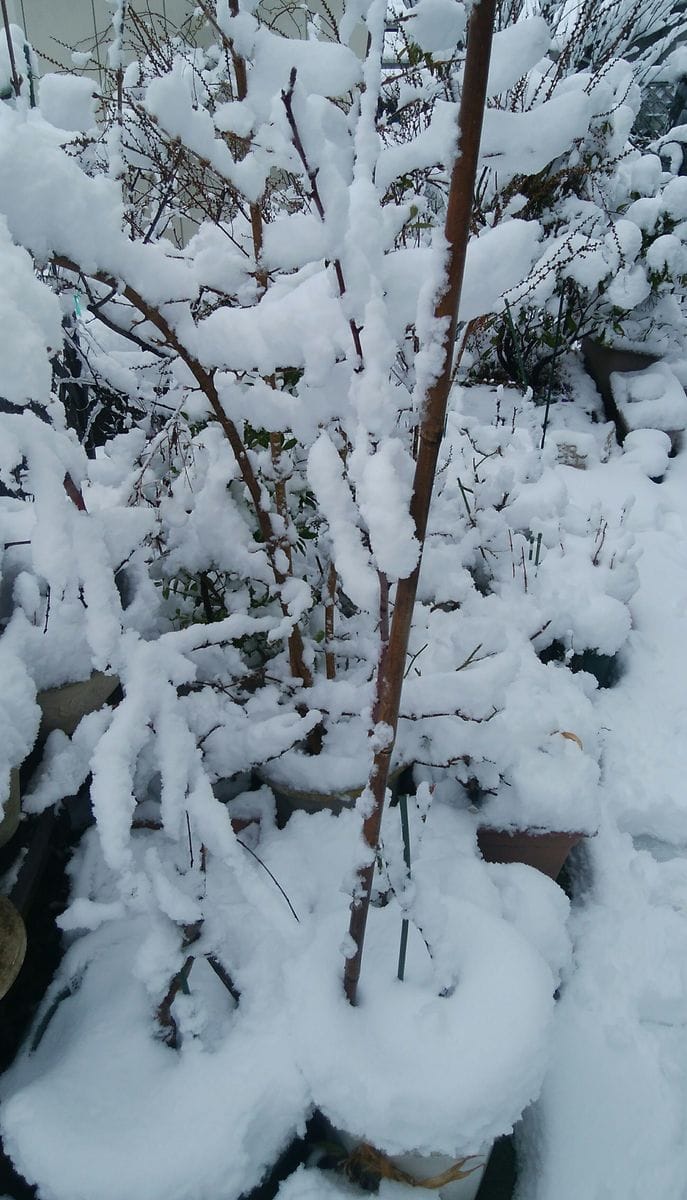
(600, 363)
(12, 944)
(11, 812)
(606, 668)
(545, 850)
(246, 806)
(63, 707)
(444, 1176)
(290, 800)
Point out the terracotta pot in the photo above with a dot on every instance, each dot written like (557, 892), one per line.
(11, 812)
(543, 849)
(63, 707)
(12, 944)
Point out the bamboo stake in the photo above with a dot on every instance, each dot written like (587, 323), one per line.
(393, 653)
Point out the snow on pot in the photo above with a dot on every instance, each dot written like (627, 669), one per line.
(309, 796)
(11, 812)
(546, 850)
(12, 944)
(651, 398)
(121, 1114)
(602, 362)
(63, 707)
(19, 716)
(308, 799)
(443, 1061)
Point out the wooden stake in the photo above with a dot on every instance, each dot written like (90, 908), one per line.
(393, 653)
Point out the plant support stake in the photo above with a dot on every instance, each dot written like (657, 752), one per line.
(16, 80)
(393, 653)
(405, 829)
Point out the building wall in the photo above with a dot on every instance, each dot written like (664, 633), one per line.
(56, 27)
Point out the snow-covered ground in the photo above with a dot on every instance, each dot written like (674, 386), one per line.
(612, 1118)
(530, 563)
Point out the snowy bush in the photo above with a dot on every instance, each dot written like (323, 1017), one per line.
(235, 555)
(611, 261)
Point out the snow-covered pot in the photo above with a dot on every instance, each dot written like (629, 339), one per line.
(11, 812)
(546, 850)
(290, 800)
(12, 944)
(247, 809)
(63, 707)
(444, 1061)
(645, 392)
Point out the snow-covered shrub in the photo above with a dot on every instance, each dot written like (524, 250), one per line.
(294, 329)
(525, 594)
(60, 611)
(612, 255)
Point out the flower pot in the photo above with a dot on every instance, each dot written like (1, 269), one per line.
(63, 707)
(545, 850)
(606, 668)
(12, 944)
(601, 362)
(444, 1176)
(291, 799)
(9, 822)
(247, 807)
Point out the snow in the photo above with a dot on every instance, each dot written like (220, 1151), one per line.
(652, 398)
(515, 51)
(269, 1084)
(200, 561)
(68, 102)
(31, 323)
(388, 476)
(437, 25)
(513, 142)
(496, 261)
(256, 1094)
(325, 472)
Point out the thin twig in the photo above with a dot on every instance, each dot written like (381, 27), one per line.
(224, 976)
(287, 98)
(275, 881)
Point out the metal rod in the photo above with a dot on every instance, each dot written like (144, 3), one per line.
(16, 78)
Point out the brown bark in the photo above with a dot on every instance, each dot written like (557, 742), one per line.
(393, 653)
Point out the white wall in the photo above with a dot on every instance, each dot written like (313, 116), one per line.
(55, 27)
(80, 24)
